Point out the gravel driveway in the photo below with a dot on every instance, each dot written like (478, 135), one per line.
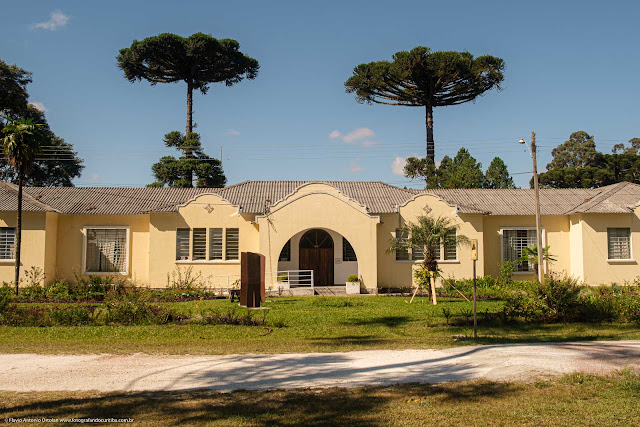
(143, 372)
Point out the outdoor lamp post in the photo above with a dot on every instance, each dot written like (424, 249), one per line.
(532, 151)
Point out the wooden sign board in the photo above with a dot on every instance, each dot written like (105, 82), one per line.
(252, 271)
(474, 249)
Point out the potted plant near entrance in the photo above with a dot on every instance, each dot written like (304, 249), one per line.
(283, 282)
(353, 284)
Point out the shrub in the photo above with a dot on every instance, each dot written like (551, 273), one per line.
(34, 276)
(506, 272)
(353, 278)
(559, 297)
(184, 279)
(6, 295)
(127, 306)
(71, 316)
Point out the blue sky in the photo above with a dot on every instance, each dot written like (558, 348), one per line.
(569, 66)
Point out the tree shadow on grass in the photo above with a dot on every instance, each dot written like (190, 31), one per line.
(389, 321)
(349, 340)
(333, 406)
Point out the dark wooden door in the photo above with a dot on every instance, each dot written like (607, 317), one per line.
(320, 260)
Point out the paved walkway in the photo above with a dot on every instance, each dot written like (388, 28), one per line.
(141, 372)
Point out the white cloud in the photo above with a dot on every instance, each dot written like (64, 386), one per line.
(397, 166)
(358, 134)
(233, 132)
(354, 167)
(335, 134)
(56, 20)
(39, 106)
(94, 177)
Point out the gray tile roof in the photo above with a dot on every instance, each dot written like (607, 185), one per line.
(513, 202)
(377, 196)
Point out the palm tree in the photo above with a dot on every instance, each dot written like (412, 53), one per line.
(21, 143)
(530, 255)
(427, 234)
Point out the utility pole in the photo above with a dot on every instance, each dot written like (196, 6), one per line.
(536, 189)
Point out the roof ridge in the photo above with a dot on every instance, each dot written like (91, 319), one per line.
(603, 194)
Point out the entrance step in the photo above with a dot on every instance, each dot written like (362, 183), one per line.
(331, 290)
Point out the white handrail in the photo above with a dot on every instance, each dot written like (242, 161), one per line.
(293, 278)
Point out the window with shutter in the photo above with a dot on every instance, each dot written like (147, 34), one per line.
(450, 247)
(182, 243)
(106, 250)
(7, 243)
(199, 244)
(232, 244)
(215, 243)
(619, 243)
(402, 254)
(513, 242)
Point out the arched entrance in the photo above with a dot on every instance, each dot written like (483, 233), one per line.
(316, 253)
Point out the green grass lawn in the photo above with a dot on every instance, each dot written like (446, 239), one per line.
(571, 400)
(306, 324)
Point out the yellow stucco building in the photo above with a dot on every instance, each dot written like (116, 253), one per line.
(333, 228)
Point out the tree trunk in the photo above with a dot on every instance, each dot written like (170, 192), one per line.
(432, 279)
(19, 225)
(189, 129)
(431, 149)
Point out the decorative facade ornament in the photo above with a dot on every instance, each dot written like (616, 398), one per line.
(427, 209)
(209, 208)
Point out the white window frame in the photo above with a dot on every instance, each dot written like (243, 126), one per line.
(11, 260)
(84, 250)
(621, 260)
(544, 245)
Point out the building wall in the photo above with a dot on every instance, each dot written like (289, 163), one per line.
(54, 242)
(70, 243)
(393, 273)
(597, 268)
(321, 206)
(163, 266)
(33, 244)
(576, 246)
(556, 235)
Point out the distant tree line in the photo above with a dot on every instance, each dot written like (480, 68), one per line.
(577, 164)
(463, 171)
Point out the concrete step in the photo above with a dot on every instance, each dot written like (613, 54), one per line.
(330, 290)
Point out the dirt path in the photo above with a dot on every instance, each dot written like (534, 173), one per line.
(33, 372)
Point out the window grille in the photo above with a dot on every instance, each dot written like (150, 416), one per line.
(450, 247)
(106, 250)
(233, 243)
(348, 254)
(513, 242)
(199, 244)
(619, 243)
(417, 253)
(7, 243)
(402, 254)
(285, 254)
(215, 243)
(182, 243)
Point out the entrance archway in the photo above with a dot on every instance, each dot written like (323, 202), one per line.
(316, 253)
